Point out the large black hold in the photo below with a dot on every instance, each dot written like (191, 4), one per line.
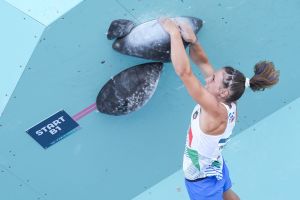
(130, 89)
(147, 40)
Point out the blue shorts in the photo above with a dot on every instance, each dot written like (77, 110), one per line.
(209, 188)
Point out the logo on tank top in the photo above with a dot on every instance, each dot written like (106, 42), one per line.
(231, 117)
(195, 114)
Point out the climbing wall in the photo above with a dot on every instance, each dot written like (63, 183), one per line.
(55, 56)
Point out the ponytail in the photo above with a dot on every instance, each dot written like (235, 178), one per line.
(265, 76)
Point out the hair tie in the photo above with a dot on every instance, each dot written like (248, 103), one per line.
(247, 83)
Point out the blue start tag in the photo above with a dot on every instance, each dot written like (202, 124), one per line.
(53, 129)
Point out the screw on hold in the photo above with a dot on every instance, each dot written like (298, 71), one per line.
(103, 61)
(20, 66)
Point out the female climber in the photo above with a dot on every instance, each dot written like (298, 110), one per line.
(214, 117)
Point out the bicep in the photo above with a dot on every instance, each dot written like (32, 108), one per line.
(196, 90)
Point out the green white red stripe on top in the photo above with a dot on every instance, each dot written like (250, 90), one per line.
(202, 155)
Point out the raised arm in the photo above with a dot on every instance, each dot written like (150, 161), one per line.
(197, 53)
(200, 58)
(182, 68)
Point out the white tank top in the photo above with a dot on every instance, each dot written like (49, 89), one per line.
(202, 155)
